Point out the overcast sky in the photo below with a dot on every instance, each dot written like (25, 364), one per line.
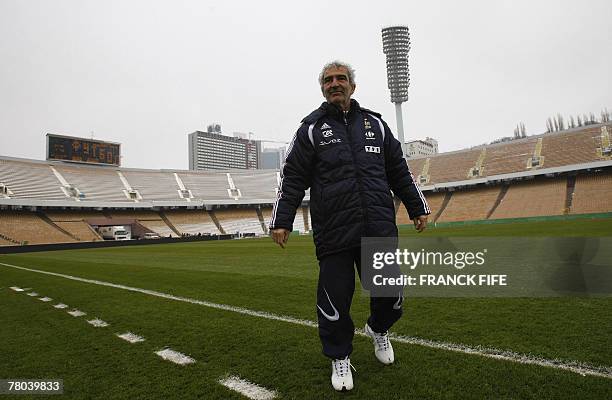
(147, 73)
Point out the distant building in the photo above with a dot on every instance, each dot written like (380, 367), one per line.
(272, 158)
(241, 135)
(212, 150)
(416, 148)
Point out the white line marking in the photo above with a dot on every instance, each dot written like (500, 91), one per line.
(45, 299)
(17, 289)
(32, 294)
(98, 323)
(76, 313)
(577, 367)
(248, 389)
(131, 337)
(60, 306)
(175, 357)
(488, 352)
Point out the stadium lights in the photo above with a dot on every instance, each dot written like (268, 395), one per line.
(396, 44)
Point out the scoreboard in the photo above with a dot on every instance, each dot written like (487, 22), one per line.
(68, 148)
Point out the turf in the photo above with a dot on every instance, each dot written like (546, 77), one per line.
(38, 341)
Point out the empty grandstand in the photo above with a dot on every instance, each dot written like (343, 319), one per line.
(561, 173)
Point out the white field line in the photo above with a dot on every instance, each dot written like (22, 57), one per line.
(77, 313)
(130, 337)
(45, 299)
(60, 306)
(175, 357)
(98, 323)
(17, 289)
(32, 294)
(248, 389)
(576, 367)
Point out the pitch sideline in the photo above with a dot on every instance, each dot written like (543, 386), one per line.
(576, 367)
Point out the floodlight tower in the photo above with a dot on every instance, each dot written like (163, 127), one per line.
(396, 44)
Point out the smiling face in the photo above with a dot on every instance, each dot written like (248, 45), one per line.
(337, 88)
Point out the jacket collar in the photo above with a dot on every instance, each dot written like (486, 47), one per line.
(335, 111)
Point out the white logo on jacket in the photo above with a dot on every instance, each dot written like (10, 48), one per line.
(325, 143)
(325, 126)
(372, 149)
(328, 133)
(370, 135)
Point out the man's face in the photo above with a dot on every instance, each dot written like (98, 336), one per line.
(336, 87)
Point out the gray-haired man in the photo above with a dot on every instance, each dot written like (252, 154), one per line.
(350, 160)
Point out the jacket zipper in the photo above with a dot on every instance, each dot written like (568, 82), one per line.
(357, 172)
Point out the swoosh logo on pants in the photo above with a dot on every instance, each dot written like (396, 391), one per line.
(398, 303)
(336, 315)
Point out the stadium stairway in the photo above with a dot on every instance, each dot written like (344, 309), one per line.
(261, 220)
(306, 222)
(9, 239)
(500, 197)
(169, 223)
(216, 221)
(397, 203)
(569, 196)
(447, 197)
(46, 219)
(139, 230)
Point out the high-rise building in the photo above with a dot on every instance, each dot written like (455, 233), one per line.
(212, 150)
(272, 158)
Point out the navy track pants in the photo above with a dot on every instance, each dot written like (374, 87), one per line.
(334, 296)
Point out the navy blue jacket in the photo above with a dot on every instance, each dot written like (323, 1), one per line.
(351, 162)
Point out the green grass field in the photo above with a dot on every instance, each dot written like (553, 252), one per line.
(38, 341)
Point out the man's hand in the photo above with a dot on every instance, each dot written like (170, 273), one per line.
(420, 223)
(280, 236)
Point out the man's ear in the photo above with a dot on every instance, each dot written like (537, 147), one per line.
(353, 86)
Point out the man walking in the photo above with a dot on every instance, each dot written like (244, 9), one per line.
(350, 160)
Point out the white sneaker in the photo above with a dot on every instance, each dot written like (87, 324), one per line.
(382, 345)
(342, 377)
